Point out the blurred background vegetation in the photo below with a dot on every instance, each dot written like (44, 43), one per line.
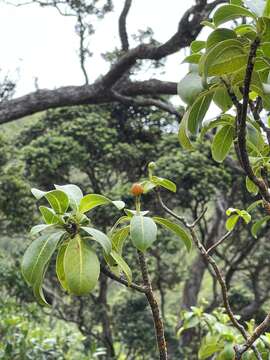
(104, 150)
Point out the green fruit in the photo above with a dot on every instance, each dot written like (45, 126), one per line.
(190, 87)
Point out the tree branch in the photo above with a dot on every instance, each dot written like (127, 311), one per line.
(100, 91)
(209, 259)
(123, 26)
(154, 308)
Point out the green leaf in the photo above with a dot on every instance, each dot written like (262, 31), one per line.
(222, 120)
(231, 222)
(36, 259)
(222, 99)
(218, 59)
(251, 187)
(192, 59)
(197, 45)
(118, 239)
(230, 12)
(81, 266)
(176, 229)
(143, 232)
(40, 228)
(90, 201)
(123, 265)
(190, 87)
(49, 215)
(60, 266)
(219, 35)
(198, 111)
(73, 192)
(254, 205)
(183, 133)
(258, 225)
(222, 143)
(266, 11)
(210, 345)
(99, 237)
(58, 200)
(147, 186)
(165, 183)
(208, 24)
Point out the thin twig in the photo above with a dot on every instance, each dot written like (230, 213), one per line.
(209, 259)
(216, 244)
(122, 281)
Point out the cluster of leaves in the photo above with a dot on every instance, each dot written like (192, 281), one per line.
(67, 230)
(217, 74)
(218, 336)
(220, 63)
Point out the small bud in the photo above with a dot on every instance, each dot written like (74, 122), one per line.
(152, 165)
(136, 189)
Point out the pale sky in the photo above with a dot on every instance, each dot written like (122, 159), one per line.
(43, 44)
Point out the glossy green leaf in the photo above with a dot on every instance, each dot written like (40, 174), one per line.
(197, 111)
(58, 200)
(165, 183)
(90, 201)
(143, 232)
(60, 266)
(176, 229)
(36, 259)
(218, 59)
(183, 132)
(254, 205)
(147, 186)
(40, 228)
(99, 237)
(222, 99)
(266, 11)
(230, 12)
(258, 225)
(197, 45)
(231, 222)
(192, 59)
(222, 143)
(123, 265)
(49, 215)
(81, 266)
(219, 35)
(73, 192)
(118, 239)
(251, 187)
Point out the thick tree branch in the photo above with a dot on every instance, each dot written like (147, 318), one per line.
(100, 91)
(123, 25)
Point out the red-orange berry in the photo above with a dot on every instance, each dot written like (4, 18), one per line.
(136, 189)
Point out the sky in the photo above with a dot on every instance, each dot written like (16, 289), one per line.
(40, 43)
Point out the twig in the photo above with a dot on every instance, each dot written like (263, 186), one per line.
(122, 281)
(219, 242)
(166, 106)
(154, 308)
(209, 259)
